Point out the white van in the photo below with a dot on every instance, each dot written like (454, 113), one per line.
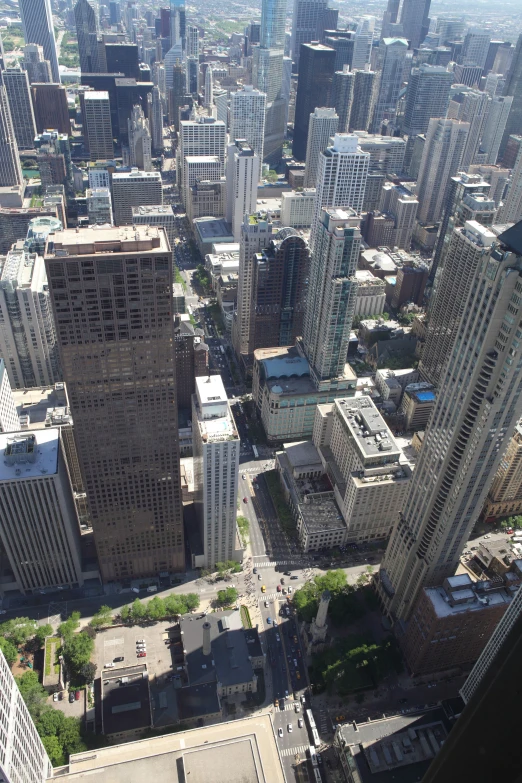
(152, 589)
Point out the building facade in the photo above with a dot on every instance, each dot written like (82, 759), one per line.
(19, 96)
(9, 421)
(10, 169)
(97, 124)
(38, 28)
(322, 125)
(134, 189)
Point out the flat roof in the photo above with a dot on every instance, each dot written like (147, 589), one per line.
(243, 751)
(107, 240)
(302, 453)
(96, 95)
(32, 454)
(469, 600)
(154, 209)
(210, 228)
(367, 427)
(125, 699)
(210, 389)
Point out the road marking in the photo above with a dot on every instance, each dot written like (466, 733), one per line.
(293, 751)
(112, 642)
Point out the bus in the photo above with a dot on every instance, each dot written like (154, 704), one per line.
(310, 719)
(256, 453)
(313, 728)
(313, 756)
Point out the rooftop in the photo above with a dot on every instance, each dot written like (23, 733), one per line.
(214, 415)
(188, 755)
(96, 95)
(155, 209)
(38, 405)
(105, 240)
(210, 228)
(447, 601)
(125, 699)
(368, 429)
(28, 455)
(136, 174)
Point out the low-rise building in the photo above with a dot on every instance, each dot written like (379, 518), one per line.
(297, 208)
(310, 495)
(207, 198)
(224, 259)
(451, 624)
(191, 358)
(417, 404)
(367, 469)
(209, 231)
(99, 206)
(126, 705)
(371, 294)
(391, 383)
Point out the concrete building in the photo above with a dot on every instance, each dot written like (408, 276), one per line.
(14, 223)
(505, 494)
(99, 206)
(364, 94)
(50, 107)
(201, 168)
(9, 421)
(322, 126)
(362, 49)
(38, 28)
(156, 120)
(399, 203)
(511, 209)
(391, 56)
(203, 136)
(191, 358)
(53, 155)
(417, 404)
(513, 88)
(28, 342)
(247, 117)
(297, 208)
(140, 140)
(415, 21)
(475, 46)
(391, 383)
(207, 198)
(452, 623)
(134, 189)
(10, 169)
(427, 96)
(371, 296)
(21, 749)
(19, 96)
(209, 231)
(342, 96)
(35, 487)
(243, 171)
(157, 215)
(37, 67)
(441, 159)
(97, 125)
(113, 439)
(492, 134)
(367, 469)
(216, 470)
(317, 67)
(306, 15)
(125, 690)
(445, 499)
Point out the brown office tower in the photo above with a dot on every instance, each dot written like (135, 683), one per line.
(111, 290)
(50, 107)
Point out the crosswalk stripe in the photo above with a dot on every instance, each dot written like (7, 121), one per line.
(293, 751)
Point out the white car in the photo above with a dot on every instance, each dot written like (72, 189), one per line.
(289, 727)
(300, 723)
(3, 611)
(280, 732)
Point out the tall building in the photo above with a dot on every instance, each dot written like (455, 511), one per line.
(37, 67)
(126, 431)
(191, 357)
(305, 17)
(256, 233)
(342, 96)
(279, 291)
(475, 412)
(177, 93)
(22, 114)
(323, 125)
(38, 28)
(9, 421)
(363, 100)
(216, 470)
(97, 127)
(362, 49)
(53, 155)
(192, 41)
(427, 96)
(27, 335)
(10, 169)
(511, 209)
(22, 753)
(209, 88)
(247, 117)
(99, 206)
(203, 136)
(513, 88)
(313, 89)
(86, 20)
(134, 189)
(389, 19)
(415, 21)
(243, 172)
(391, 56)
(123, 57)
(505, 494)
(332, 289)
(35, 486)
(192, 66)
(441, 158)
(471, 106)
(140, 140)
(341, 182)
(494, 126)
(51, 109)
(475, 47)
(297, 208)
(402, 205)
(156, 120)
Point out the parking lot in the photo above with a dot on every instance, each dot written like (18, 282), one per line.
(120, 643)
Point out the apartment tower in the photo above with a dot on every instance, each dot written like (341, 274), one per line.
(323, 125)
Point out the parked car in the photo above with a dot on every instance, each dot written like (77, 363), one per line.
(55, 697)
(77, 695)
(71, 697)
(294, 576)
(142, 655)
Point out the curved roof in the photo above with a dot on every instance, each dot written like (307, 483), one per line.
(285, 367)
(284, 233)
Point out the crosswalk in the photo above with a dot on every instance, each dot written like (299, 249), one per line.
(274, 563)
(269, 597)
(292, 751)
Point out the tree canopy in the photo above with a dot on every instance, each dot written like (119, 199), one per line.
(159, 608)
(228, 596)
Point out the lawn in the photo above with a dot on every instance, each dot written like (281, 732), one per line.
(281, 506)
(245, 617)
(51, 648)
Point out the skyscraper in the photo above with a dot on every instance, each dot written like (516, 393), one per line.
(473, 107)
(243, 171)
(389, 19)
(86, 20)
(427, 96)
(441, 157)
(415, 21)
(511, 210)
(38, 27)
(97, 127)
(341, 181)
(331, 292)
(513, 87)
(305, 16)
(37, 67)
(22, 752)
(313, 89)
(323, 125)
(475, 47)
(9, 421)
(474, 415)
(247, 117)
(267, 75)
(177, 93)
(157, 120)
(126, 431)
(21, 106)
(203, 136)
(51, 110)
(363, 100)
(342, 96)
(362, 49)
(391, 55)
(134, 189)
(209, 87)
(10, 169)
(140, 140)
(496, 119)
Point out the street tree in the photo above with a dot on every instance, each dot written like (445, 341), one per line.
(103, 617)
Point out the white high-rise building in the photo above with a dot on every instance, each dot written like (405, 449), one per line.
(392, 56)
(323, 125)
(475, 47)
(511, 208)
(209, 88)
(37, 67)
(441, 159)
(38, 27)
(99, 206)
(97, 127)
(362, 48)
(157, 120)
(216, 470)
(99, 178)
(242, 173)
(341, 180)
(140, 140)
(133, 189)
(247, 117)
(297, 208)
(10, 169)
(203, 136)
(192, 41)
(23, 758)
(28, 342)
(20, 102)
(494, 127)
(9, 421)
(35, 486)
(476, 409)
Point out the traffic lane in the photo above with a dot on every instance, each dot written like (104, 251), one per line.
(276, 662)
